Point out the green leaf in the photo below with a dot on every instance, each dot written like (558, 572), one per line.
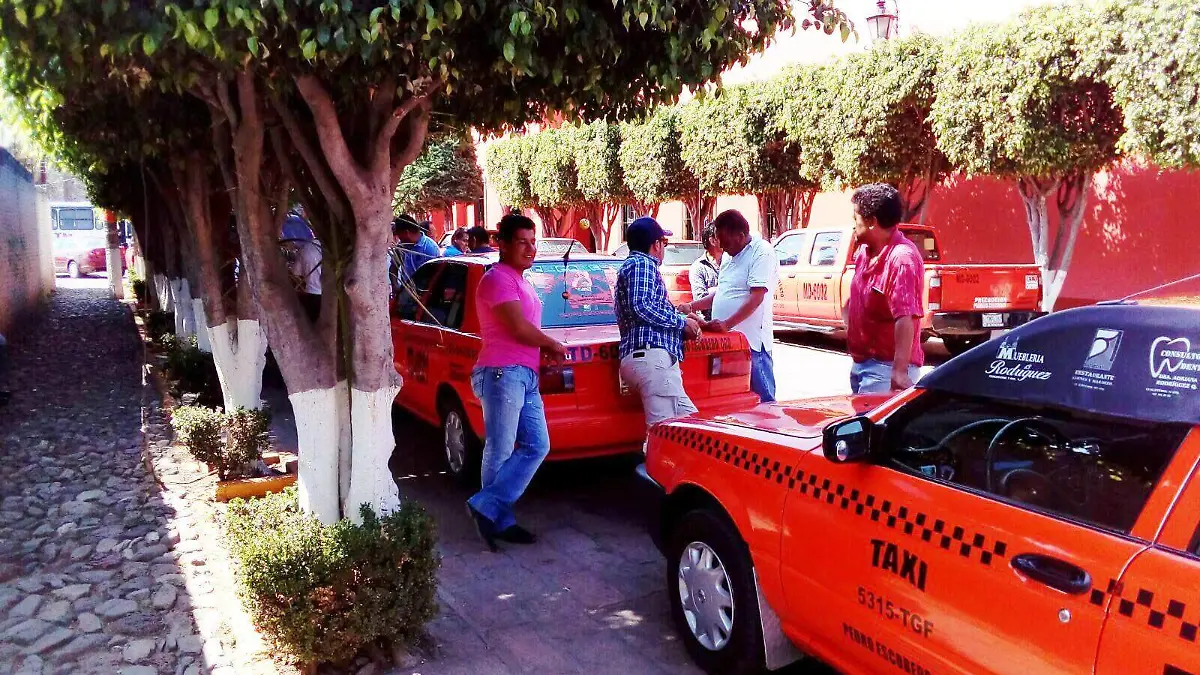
(643, 18)
(149, 44)
(845, 31)
(21, 17)
(310, 50)
(375, 13)
(510, 51)
(252, 43)
(455, 10)
(39, 11)
(212, 17)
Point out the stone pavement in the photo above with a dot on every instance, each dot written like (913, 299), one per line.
(89, 578)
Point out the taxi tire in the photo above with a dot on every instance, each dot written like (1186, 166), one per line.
(743, 654)
(73, 270)
(469, 476)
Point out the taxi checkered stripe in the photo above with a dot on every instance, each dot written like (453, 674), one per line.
(1144, 600)
(934, 531)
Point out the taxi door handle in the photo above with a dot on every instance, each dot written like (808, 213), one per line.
(1053, 572)
(828, 276)
(791, 276)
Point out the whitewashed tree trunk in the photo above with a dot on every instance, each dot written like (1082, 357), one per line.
(317, 434)
(185, 320)
(239, 351)
(345, 445)
(112, 260)
(203, 343)
(372, 442)
(162, 289)
(1054, 261)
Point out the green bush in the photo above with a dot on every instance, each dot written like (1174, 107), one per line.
(199, 429)
(246, 437)
(159, 324)
(323, 593)
(192, 370)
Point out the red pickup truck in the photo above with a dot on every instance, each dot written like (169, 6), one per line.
(964, 304)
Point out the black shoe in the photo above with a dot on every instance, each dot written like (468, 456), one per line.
(517, 535)
(484, 528)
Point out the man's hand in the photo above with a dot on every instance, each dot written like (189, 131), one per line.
(717, 326)
(557, 351)
(691, 328)
(685, 308)
(900, 379)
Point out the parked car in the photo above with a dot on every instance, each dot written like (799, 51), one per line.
(676, 265)
(78, 259)
(590, 413)
(1030, 507)
(964, 304)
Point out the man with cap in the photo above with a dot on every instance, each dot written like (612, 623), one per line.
(652, 332)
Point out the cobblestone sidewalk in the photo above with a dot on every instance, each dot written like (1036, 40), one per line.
(90, 578)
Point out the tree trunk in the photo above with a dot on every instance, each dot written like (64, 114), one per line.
(1072, 200)
(112, 259)
(700, 212)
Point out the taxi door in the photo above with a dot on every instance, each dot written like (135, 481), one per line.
(820, 281)
(792, 252)
(1154, 607)
(900, 566)
(415, 339)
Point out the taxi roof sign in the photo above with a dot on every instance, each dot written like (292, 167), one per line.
(1138, 362)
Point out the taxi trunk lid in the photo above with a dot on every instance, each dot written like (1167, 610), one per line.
(716, 365)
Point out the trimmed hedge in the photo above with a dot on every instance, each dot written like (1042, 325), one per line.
(324, 593)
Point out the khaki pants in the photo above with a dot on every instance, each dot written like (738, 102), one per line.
(659, 382)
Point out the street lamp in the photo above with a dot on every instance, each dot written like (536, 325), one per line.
(884, 25)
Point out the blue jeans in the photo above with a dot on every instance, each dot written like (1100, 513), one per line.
(762, 375)
(516, 442)
(875, 377)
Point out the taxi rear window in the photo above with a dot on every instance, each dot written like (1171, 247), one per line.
(925, 241)
(576, 293)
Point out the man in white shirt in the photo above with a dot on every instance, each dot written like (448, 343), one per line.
(749, 272)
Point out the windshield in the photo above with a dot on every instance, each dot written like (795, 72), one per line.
(579, 293)
(556, 247)
(683, 253)
(925, 241)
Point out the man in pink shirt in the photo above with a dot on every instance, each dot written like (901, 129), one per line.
(505, 380)
(883, 314)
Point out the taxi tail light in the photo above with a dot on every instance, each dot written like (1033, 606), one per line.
(557, 380)
(683, 280)
(728, 364)
(935, 293)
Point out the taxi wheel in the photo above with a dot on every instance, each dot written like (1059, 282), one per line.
(459, 445)
(73, 270)
(713, 600)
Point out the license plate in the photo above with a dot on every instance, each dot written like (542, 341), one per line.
(1032, 282)
(993, 320)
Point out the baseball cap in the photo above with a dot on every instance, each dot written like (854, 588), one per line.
(643, 232)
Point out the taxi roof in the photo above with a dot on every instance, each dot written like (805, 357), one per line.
(494, 257)
(1134, 361)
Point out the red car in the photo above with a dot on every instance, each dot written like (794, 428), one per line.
(77, 259)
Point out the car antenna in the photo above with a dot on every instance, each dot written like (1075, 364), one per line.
(1131, 297)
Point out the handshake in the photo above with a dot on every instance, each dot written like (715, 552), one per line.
(695, 322)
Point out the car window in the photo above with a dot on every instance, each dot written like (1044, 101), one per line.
(576, 293)
(76, 219)
(925, 240)
(825, 249)
(446, 301)
(1093, 469)
(408, 302)
(792, 248)
(684, 253)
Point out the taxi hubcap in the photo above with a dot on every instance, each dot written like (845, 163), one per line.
(456, 442)
(705, 595)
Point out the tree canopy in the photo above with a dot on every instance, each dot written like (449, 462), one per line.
(444, 174)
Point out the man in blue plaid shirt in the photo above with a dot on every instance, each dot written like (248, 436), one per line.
(652, 331)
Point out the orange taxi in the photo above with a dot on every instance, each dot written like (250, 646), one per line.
(1031, 507)
(676, 267)
(435, 332)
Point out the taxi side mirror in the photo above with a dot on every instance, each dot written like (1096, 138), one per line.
(849, 440)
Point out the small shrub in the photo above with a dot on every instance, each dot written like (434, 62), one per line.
(193, 371)
(246, 437)
(323, 593)
(160, 323)
(199, 429)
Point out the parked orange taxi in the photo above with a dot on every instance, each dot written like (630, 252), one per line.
(1031, 507)
(435, 332)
